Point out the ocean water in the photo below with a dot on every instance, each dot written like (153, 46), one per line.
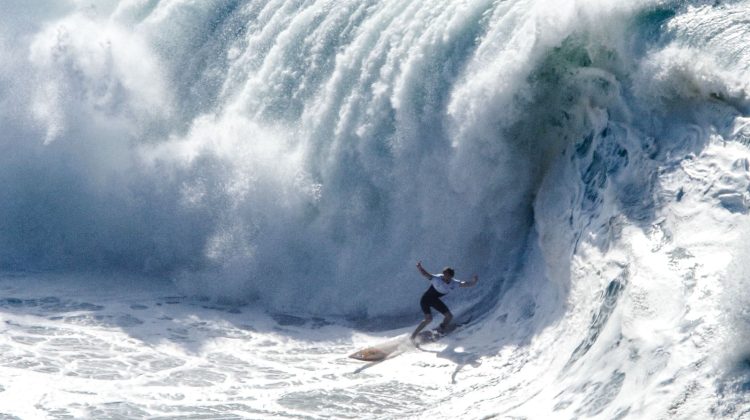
(205, 206)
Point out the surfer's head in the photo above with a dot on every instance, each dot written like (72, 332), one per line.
(448, 273)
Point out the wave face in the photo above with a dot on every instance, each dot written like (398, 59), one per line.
(305, 154)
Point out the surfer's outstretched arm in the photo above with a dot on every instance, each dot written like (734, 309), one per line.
(424, 272)
(470, 283)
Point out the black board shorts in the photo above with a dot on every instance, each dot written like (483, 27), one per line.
(431, 298)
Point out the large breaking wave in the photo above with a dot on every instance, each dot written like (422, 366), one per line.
(304, 154)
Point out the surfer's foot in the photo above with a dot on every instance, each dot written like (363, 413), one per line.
(441, 328)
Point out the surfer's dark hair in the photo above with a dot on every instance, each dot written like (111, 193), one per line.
(448, 270)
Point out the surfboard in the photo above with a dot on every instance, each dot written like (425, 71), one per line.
(370, 354)
(382, 351)
(379, 352)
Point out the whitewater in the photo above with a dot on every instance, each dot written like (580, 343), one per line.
(206, 206)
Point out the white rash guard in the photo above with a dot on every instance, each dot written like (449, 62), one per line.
(439, 284)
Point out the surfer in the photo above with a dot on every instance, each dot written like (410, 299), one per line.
(440, 285)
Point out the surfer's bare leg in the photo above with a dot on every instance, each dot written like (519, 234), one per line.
(448, 316)
(420, 327)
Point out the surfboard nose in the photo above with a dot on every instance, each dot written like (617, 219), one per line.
(371, 354)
